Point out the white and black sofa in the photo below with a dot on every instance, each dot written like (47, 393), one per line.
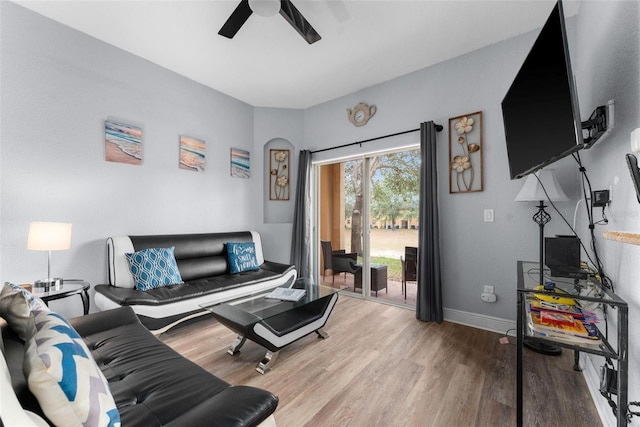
(204, 267)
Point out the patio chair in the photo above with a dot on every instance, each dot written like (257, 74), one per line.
(338, 261)
(409, 267)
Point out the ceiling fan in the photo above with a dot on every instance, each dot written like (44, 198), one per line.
(269, 8)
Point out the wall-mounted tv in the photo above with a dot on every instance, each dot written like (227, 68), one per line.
(540, 110)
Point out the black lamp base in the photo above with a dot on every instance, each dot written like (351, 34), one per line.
(542, 347)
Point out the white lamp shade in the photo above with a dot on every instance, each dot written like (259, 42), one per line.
(49, 236)
(532, 191)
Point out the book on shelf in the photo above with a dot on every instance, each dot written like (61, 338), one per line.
(567, 327)
(568, 339)
(286, 294)
(539, 305)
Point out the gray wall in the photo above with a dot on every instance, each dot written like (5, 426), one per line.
(276, 128)
(474, 253)
(58, 86)
(608, 67)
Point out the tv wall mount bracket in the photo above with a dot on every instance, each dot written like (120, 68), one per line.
(598, 125)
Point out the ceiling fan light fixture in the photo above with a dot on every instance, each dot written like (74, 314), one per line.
(266, 8)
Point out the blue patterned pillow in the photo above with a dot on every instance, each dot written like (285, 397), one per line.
(63, 376)
(153, 268)
(242, 257)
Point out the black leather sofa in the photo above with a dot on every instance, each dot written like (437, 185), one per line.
(204, 267)
(152, 385)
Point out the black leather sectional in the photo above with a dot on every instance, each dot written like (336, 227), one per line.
(152, 384)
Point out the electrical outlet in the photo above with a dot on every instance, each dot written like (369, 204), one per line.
(600, 198)
(488, 297)
(488, 289)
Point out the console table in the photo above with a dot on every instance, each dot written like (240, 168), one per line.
(528, 279)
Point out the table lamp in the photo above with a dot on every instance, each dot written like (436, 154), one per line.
(49, 236)
(533, 190)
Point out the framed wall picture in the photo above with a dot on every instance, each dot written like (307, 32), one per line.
(240, 163)
(192, 154)
(278, 174)
(465, 153)
(123, 143)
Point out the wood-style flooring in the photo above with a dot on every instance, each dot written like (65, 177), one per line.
(382, 367)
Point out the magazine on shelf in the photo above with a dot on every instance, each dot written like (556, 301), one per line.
(286, 294)
(578, 331)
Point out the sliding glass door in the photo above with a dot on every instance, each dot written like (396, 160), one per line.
(368, 217)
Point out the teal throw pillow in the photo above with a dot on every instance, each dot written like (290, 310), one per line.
(153, 268)
(242, 257)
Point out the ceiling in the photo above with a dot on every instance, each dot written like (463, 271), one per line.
(267, 64)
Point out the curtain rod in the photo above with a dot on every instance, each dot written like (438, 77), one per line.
(438, 129)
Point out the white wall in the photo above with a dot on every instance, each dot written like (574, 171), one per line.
(608, 67)
(58, 86)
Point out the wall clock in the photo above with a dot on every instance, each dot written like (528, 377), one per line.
(361, 114)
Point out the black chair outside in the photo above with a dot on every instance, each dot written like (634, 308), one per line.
(338, 261)
(409, 267)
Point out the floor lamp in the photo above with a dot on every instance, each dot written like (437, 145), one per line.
(533, 190)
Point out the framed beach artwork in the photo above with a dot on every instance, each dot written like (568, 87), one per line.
(278, 174)
(192, 154)
(240, 166)
(465, 153)
(123, 143)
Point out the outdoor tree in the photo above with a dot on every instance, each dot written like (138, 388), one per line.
(388, 205)
(395, 184)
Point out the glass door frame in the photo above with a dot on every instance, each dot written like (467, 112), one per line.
(366, 217)
(365, 293)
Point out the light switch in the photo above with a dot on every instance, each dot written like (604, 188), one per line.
(488, 215)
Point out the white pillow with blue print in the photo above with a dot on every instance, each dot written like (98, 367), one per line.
(63, 376)
(16, 306)
(153, 268)
(242, 256)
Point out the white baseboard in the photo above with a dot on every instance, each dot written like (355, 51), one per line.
(480, 321)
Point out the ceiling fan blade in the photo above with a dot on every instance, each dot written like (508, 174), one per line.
(236, 20)
(297, 21)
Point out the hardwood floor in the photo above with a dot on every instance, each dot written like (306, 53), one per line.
(382, 367)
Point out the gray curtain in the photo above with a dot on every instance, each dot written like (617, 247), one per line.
(429, 299)
(301, 237)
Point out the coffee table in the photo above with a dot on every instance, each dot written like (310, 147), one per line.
(274, 324)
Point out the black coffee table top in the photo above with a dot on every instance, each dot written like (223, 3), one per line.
(250, 309)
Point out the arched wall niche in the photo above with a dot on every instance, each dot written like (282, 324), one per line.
(278, 211)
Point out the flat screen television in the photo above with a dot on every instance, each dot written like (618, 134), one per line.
(540, 110)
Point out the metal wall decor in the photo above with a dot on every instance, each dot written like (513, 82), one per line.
(465, 153)
(278, 174)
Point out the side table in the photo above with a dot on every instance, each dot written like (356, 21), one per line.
(68, 288)
(378, 278)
